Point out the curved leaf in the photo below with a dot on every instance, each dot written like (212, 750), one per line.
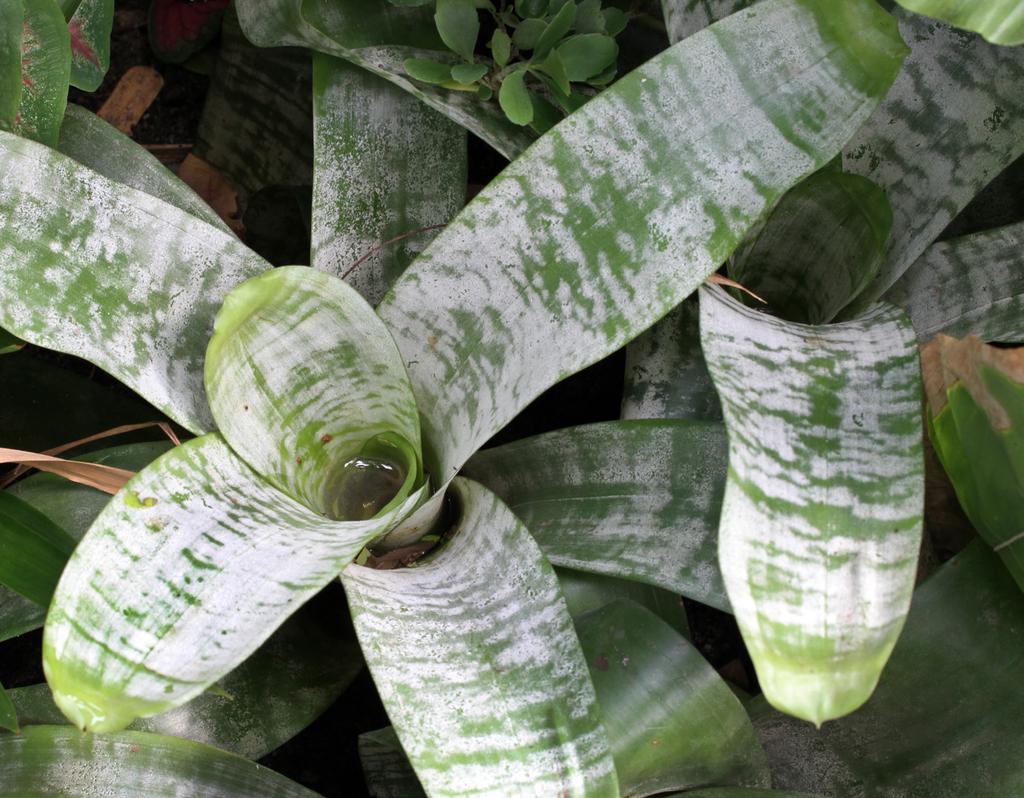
(33, 550)
(89, 31)
(308, 388)
(113, 275)
(672, 722)
(8, 714)
(952, 121)
(222, 558)
(685, 17)
(585, 592)
(386, 166)
(999, 21)
(482, 677)
(618, 213)
(821, 519)
(972, 285)
(57, 760)
(45, 71)
(632, 499)
(18, 615)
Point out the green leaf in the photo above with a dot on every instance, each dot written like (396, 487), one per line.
(585, 592)
(225, 557)
(9, 343)
(611, 219)
(331, 421)
(18, 615)
(545, 115)
(587, 55)
(89, 32)
(976, 423)
(633, 499)
(952, 121)
(589, 18)
(672, 722)
(557, 28)
(45, 71)
(428, 71)
(94, 143)
(554, 68)
(386, 166)
(820, 247)
(264, 702)
(526, 716)
(973, 285)
(685, 17)
(501, 47)
(459, 25)
(615, 21)
(468, 73)
(821, 519)
(8, 715)
(531, 8)
(12, 14)
(130, 282)
(528, 33)
(41, 761)
(666, 374)
(515, 98)
(33, 550)
(999, 21)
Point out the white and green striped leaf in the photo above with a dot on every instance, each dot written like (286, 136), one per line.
(973, 285)
(666, 374)
(999, 21)
(114, 275)
(184, 574)
(672, 722)
(89, 30)
(57, 760)
(477, 663)
(308, 388)
(617, 214)
(821, 519)
(633, 499)
(953, 120)
(820, 247)
(45, 69)
(685, 17)
(386, 166)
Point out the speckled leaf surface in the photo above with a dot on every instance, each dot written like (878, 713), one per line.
(672, 721)
(58, 760)
(999, 21)
(45, 71)
(633, 499)
(685, 17)
(113, 275)
(483, 621)
(666, 374)
(301, 376)
(821, 519)
(223, 557)
(386, 166)
(973, 285)
(621, 211)
(89, 30)
(103, 148)
(953, 120)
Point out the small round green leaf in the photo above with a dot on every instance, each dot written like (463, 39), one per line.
(459, 25)
(501, 47)
(587, 55)
(514, 98)
(528, 33)
(428, 71)
(589, 18)
(468, 73)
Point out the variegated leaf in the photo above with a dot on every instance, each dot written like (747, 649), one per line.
(621, 211)
(953, 120)
(999, 21)
(666, 374)
(45, 71)
(113, 275)
(386, 166)
(821, 519)
(633, 499)
(972, 285)
(483, 676)
(57, 760)
(89, 30)
(307, 386)
(224, 558)
(685, 17)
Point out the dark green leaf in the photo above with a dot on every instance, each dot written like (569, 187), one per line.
(8, 715)
(615, 21)
(589, 18)
(11, 15)
(585, 592)
(428, 71)
(531, 8)
(468, 73)
(515, 98)
(9, 343)
(555, 69)
(587, 55)
(556, 29)
(545, 115)
(528, 33)
(501, 47)
(33, 550)
(459, 25)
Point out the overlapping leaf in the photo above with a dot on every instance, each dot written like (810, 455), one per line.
(44, 69)
(89, 32)
(999, 21)
(685, 17)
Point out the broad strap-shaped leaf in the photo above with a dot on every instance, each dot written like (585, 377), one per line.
(272, 696)
(585, 592)
(821, 519)
(632, 499)
(307, 386)
(617, 214)
(477, 663)
(18, 615)
(685, 17)
(386, 166)
(94, 143)
(666, 374)
(89, 30)
(999, 21)
(952, 121)
(380, 37)
(45, 71)
(33, 550)
(973, 285)
(820, 247)
(672, 722)
(113, 275)
(58, 760)
(943, 722)
(183, 575)
(386, 768)
(11, 20)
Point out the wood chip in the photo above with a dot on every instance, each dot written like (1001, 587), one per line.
(212, 186)
(131, 98)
